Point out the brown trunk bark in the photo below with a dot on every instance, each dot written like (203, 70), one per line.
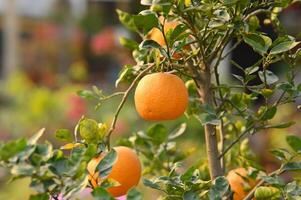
(210, 130)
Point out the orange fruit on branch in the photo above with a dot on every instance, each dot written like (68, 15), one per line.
(161, 96)
(156, 34)
(240, 182)
(126, 170)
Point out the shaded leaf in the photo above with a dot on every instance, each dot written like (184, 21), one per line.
(133, 194)
(63, 135)
(105, 166)
(294, 142)
(151, 184)
(191, 195)
(101, 194)
(292, 166)
(158, 133)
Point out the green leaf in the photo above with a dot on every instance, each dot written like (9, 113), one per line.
(105, 166)
(260, 43)
(63, 135)
(266, 113)
(281, 154)
(274, 181)
(128, 43)
(191, 195)
(292, 166)
(146, 20)
(283, 47)
(293, 189)
(151, 184)
(177, 32)
(101, 194)
(22, 170)
(133, 194)
(158, 133)
(267, 193)
(282, 125)
(178, 132)
(219, 188)
(294, 142)
(149, 44)
(126, 74)
(208, 118)
(10, 149)
(39, 197)
(89, 131)
(86, 94)
(127, 20)
(187, 175)
(269, 75)
(33, 140)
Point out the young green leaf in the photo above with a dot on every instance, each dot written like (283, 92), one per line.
(294, 142)
(63, 135)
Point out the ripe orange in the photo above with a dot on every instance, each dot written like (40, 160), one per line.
(161, 96)
(240, 183)
(126, 170)
(156, 35)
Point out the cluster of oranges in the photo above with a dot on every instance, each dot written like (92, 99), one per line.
(158, 96)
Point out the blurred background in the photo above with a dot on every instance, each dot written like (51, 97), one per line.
(49, 49)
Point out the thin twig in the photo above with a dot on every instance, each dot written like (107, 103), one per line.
(124, 98)
(111, 96)
(256, 12)
(235, 141)
(279, 99)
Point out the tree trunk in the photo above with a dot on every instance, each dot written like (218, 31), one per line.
(210, 130)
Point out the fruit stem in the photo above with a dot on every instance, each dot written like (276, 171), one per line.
(215, 167)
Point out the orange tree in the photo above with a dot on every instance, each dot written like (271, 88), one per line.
(182, 42)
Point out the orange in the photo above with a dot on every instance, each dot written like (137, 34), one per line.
(161, 96)
(126, 170)
(240, 183)
(156, 35)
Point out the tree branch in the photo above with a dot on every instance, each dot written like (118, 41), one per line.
(235, 141)
(124, 98)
